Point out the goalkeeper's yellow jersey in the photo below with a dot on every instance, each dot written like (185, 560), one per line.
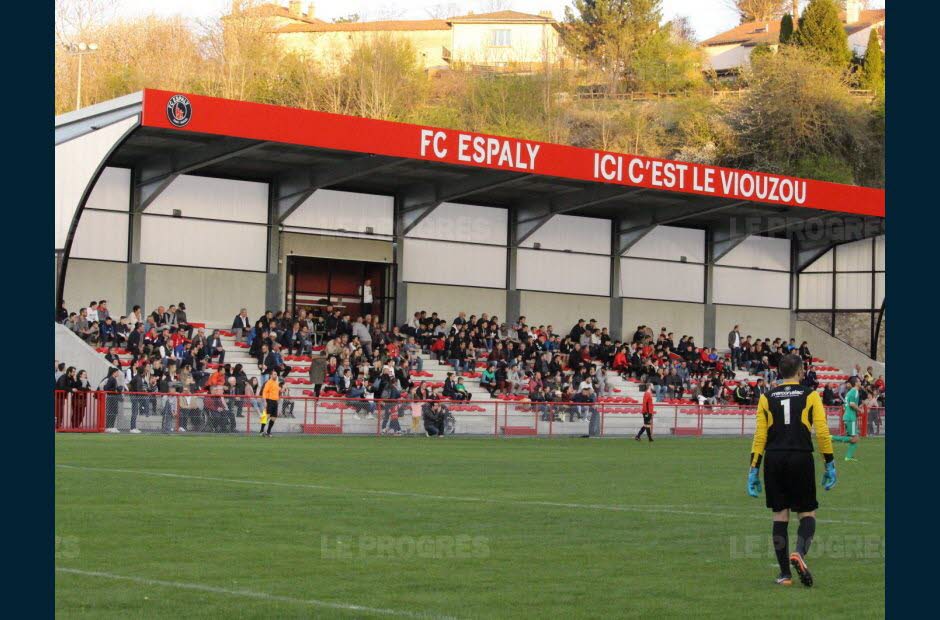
(786, 419)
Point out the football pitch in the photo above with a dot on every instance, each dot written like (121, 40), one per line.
(297, 527)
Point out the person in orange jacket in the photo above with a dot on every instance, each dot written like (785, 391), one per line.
(647, 412)
(271, 392)
(216, 379)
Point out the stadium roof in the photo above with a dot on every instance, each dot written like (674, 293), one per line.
(300, 151)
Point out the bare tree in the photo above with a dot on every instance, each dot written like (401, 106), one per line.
(760, 10)
(76, 18)
(243, 54)
(491, 6)
(443, 10)
(682, 29)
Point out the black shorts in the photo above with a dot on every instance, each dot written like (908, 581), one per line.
(271, 407)
(790, 481)
(647, 419)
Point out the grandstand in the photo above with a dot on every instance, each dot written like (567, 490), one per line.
(224, 204)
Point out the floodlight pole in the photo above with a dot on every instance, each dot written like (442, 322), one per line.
(80, 49)
(78, 88)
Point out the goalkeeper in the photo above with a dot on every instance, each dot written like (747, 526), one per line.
(850, 420)
(786, 418)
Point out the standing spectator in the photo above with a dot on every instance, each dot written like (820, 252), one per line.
(365, 292)
(182, 322)
(359, 330)
(113, 386)
(66, 385)
(734, 343)
(318, 372)
(585, 409)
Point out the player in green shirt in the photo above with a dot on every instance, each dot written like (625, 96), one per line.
(850, 418)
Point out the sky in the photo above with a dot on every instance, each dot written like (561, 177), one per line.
(708, 17)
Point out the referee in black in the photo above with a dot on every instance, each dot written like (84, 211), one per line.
(786, 419)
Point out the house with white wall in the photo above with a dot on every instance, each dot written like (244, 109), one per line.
(497, 40)
(731, 50)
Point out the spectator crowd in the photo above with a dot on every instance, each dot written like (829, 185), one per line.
(362, 358)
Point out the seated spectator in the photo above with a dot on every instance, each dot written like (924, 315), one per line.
(830, 397)
(434, 415)
(241, 326)
(460, 390)
(107, 333)
(488, 379)
(81, 326)
(273, 363)
(708, 394)
(809, 379)
(214, 346)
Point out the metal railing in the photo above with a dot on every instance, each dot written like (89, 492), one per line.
(223, 414)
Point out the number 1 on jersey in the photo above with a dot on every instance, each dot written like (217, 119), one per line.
(785, 403)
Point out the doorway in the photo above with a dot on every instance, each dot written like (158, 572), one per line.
(315, 283)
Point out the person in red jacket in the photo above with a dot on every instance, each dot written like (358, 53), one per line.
(647, 412)
(620, 360)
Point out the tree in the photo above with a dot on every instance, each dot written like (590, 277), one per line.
(758, 10)
(243, 56)
(608, 34)
(384, 78)
(799, 118)
(821, 29)
(347, 19)
(873, 68)
(760, 51)
(786, 29)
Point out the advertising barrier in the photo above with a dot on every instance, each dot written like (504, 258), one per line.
(209, 413)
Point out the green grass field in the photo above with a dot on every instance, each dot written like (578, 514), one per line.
(170, 526)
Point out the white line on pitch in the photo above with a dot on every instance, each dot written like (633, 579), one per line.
(198, 587)
(453, 498)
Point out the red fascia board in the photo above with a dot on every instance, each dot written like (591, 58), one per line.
(257, 121)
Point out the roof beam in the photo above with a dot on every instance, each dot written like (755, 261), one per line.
(420, 201)
(157, 174)
(531, 216)
(630, 232)
(294, 188)
(851, 229)
(635, 228)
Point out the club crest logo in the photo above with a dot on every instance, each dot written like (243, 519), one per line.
(179, 110)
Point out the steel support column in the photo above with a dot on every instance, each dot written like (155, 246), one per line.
(273, 291)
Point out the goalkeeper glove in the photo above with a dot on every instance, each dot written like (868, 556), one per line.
(829, 478)
(753, 483)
